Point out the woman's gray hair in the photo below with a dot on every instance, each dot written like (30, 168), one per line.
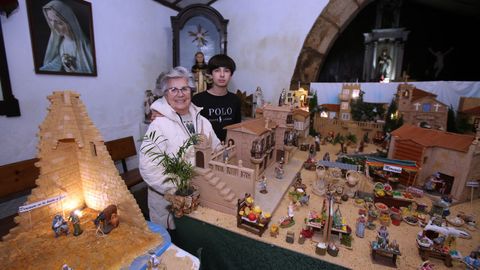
(176, 72)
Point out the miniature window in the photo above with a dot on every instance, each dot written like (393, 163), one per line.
(345, 116)
(425, 160)
(344, 106)
(93, 149)
(345, 92)
(406, 93)
(355, 93)
(426, 107)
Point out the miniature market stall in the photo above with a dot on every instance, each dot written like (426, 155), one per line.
(382, 246)
(438, 240)
(391, 171)
(384, 193)
(250, 217)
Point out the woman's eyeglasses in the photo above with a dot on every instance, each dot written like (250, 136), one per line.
(175, 91)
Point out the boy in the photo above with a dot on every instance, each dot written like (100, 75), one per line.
(220, 107)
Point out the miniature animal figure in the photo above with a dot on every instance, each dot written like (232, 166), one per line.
(59, 225)
(107, 220)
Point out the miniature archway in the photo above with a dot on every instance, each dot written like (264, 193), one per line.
(334, 18)
(199, 159)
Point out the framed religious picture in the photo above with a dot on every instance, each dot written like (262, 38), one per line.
(62, 37)
(199, 32)
(8, 103)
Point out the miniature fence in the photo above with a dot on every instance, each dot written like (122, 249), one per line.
(218, 156)
(231, 170)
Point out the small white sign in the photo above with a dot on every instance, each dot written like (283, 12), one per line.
(28, 207)
(390, 168)
(473, 184)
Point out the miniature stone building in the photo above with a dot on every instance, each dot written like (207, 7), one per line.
(450, 154)
(337, 118)
(75, 163)
(419, 107)
(253, 146)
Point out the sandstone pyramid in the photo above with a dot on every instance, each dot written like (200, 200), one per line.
(75, 163)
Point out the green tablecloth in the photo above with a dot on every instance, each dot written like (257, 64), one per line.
(223, 250)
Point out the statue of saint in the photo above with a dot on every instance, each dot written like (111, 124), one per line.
(199, 70)
(384, 62)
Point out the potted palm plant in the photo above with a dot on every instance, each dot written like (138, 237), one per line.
(179, 171)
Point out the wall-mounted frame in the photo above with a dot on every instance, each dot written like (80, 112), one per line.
(62, 37)
(198, 28)
(8, 103)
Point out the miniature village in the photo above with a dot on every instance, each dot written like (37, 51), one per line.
(293, 176)
(397, 191)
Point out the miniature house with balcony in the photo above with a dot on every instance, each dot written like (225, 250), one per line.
(252, 147)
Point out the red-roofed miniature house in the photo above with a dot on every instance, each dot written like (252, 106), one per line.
(456, 156)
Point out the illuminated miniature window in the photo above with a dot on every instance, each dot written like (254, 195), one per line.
(355, 93)
(345, 116)
(426, 107)
(344, 106)
(406, 93)
(324, 114)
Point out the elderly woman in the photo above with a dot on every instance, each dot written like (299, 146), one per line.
(177, 120)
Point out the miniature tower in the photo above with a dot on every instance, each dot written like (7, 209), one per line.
(75, 163)
(349, 91)
(203, 150)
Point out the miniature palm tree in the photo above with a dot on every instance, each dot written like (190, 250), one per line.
(180, 172)
(340, 139)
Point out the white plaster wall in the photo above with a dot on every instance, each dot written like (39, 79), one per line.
(133, 45)
(265, 38)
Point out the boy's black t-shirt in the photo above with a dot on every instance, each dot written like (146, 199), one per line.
(221, 111)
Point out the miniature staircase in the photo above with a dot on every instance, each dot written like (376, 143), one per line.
(225, 192)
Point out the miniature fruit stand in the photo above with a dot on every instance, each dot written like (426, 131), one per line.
(383, 247)
(251, 217)
(392, 198)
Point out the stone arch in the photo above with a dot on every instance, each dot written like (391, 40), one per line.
(334, 18)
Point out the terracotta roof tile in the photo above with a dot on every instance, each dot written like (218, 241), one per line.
(419, 93)
(301, 112)
(434, 138)
(472, 111)
(253, 126)
(331, 107)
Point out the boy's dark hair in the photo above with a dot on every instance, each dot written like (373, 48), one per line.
(221, 60)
